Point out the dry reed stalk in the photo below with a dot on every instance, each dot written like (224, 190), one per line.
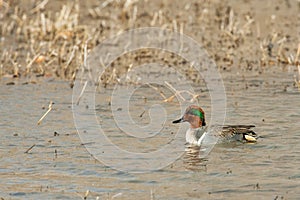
(112, 77)
(160, 17)
(257, 30)
(233, 37)
(93, 13)
(128, 71)
(107, 2)
(85, 54)
(74, 49)
(98, 81)
(49, 109)
(249, 22)
(55, 34)
(28, 67)
(16, 69)
(134, 16)
(231, 21)
(39, 7)
(4, 4)
(1, 69)
(129, 3)
(154, 19)
(291, 60)
(280, 56)
(297, 57)
(50, 62)
(61, 53)
(274, 37)
(175, 25)
(203, 15)
(298, 81)
(264, 51)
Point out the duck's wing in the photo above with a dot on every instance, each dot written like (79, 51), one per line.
(212, 135)
(245, 131)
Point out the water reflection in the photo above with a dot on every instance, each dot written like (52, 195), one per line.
(192, 160)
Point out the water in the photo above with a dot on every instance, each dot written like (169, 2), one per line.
(60, 167)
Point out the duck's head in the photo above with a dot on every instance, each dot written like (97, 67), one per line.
(194, 115)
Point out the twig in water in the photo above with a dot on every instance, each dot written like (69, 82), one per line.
(116, 195)
(27, 151)
(170, 98)
(81, 93)
(49, 109)
(155, 88)
(141, 115)
(86, 194)
(152, 194)
(194, 97)
(55, 153)
(176, 92)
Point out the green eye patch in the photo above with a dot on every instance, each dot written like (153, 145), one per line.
(197, 113)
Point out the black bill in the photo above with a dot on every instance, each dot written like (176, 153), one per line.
(178, 121)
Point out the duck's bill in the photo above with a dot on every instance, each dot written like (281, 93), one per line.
(178, 121)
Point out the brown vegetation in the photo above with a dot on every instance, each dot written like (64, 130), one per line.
(47, 38)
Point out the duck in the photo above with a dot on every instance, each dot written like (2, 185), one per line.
(198, 129)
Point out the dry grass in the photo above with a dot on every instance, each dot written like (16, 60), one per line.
(50, 38)
(297, 81)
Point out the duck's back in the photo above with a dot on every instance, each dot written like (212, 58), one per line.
(239, 132)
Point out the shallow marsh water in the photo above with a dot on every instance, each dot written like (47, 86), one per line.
(59, 167)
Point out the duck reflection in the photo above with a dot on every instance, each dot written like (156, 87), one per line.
(192, 160)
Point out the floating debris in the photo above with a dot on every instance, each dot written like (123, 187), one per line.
(27, 151)
(46, 113)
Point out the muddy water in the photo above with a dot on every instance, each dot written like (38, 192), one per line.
(59, 167)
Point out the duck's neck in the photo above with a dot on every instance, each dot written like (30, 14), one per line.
(192, 135)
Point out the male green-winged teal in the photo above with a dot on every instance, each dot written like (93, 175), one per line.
(198, 129)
